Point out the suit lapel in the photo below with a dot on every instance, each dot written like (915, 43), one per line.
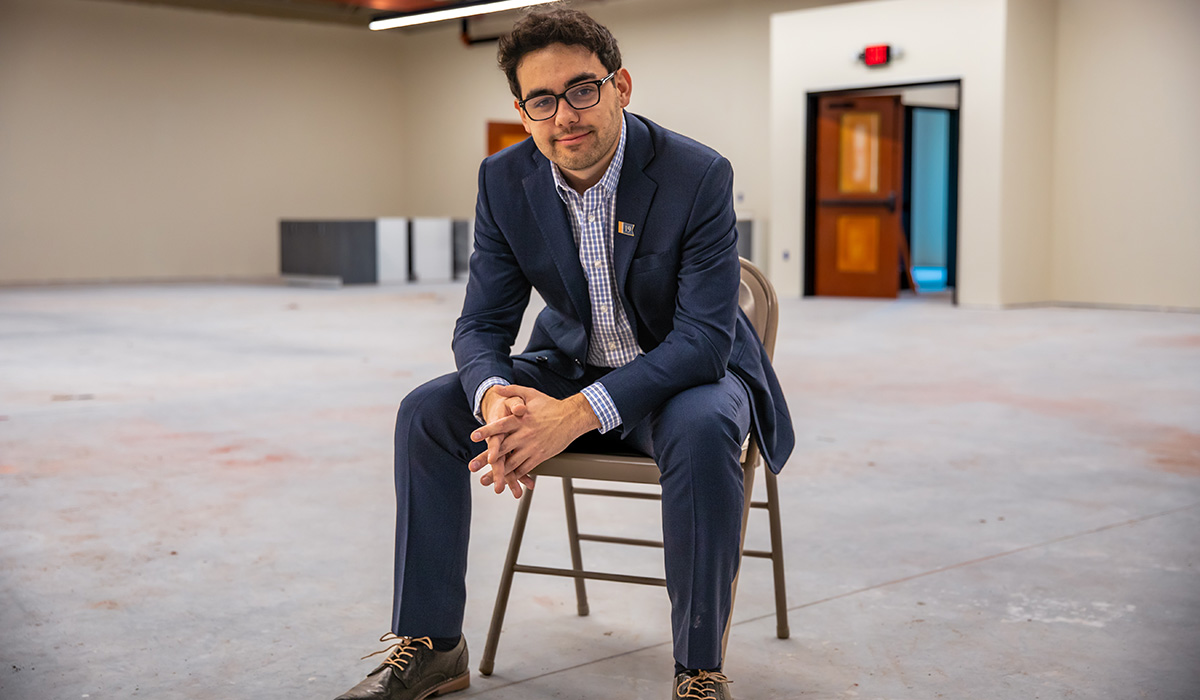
(551, 216)
(635, 192)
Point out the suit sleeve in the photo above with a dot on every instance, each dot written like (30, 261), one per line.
(496, 297)
(696, 351)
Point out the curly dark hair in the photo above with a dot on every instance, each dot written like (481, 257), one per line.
(537, 30)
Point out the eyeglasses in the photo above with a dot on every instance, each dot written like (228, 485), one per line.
(579, 96)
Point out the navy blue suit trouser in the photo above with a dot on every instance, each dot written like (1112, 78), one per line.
(695, 437)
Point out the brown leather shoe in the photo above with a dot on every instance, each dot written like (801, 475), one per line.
(413, 671)
(702, 686)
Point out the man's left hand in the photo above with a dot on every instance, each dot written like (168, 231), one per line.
(547, 427)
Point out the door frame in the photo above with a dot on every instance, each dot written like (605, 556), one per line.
(809, 244)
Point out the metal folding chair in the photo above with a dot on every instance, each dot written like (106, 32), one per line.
(757, 298)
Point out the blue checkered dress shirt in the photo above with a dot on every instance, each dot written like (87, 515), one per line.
(593, 223)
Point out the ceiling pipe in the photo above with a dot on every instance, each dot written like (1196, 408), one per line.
(470, 40)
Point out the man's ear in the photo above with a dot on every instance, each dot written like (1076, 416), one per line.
(524, 117)
(624, 83)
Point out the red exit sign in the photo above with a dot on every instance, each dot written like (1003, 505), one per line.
(877, 55)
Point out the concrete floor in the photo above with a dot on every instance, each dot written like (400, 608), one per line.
(196, 502)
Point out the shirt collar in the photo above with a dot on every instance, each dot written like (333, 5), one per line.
(611, 176)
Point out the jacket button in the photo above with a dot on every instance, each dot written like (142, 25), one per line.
(542, 358)
(577, 362)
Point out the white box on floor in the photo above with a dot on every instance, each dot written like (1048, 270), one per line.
(433, 249)
(391, 250)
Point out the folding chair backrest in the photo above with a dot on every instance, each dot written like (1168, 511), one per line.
(757, 299)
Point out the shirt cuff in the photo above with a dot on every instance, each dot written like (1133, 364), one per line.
(483, 387)
(603, 406)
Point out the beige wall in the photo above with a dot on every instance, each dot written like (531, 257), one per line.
(138, 142)
(700, 67)
(1127, 153)
(453, 90)
(1080, 158)
(1026, 186)
(814, 50)
(1056, 199)
(142, 142)
(181, 164)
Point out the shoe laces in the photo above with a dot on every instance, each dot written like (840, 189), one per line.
(403, 649)
(701, 686)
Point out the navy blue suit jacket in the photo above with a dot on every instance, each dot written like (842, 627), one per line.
(677, 275)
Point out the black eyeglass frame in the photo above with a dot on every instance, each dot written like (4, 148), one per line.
(563, 96)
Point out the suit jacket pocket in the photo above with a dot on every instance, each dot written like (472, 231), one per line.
(653, 261)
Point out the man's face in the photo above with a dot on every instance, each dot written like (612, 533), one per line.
(580, 142)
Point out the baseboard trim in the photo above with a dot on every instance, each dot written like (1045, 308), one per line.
(142, 281)
(1124, 307)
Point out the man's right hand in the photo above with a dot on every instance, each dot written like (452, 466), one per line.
(494, 407)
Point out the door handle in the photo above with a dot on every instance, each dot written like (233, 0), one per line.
(889, 202)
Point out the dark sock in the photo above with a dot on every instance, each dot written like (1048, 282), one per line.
(444, 643)
(679, 668)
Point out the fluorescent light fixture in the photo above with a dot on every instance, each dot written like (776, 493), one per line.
(453, 13)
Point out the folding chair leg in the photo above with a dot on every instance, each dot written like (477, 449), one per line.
(781, 612)
(748, 491)
(576, 554)
(487, 663)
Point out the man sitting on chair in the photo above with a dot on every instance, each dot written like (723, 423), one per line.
(627, 232)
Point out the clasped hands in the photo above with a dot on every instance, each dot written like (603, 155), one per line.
(525, 428)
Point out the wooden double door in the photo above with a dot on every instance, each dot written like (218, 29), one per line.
(859, 175)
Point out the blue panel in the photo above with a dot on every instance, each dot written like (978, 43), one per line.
(930, 181)
(930, 279)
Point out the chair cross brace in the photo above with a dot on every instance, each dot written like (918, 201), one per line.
(591, 575)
